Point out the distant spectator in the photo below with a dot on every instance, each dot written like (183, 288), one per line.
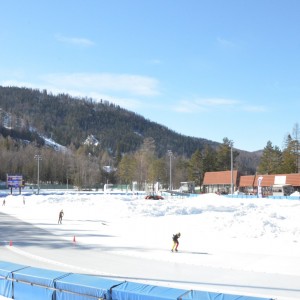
(60, 216)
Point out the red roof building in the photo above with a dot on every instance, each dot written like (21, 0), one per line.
(220, 182)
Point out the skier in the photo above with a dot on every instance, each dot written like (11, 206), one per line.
(175, 241)
(60, 216)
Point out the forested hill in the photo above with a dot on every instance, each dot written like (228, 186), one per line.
(69, 121)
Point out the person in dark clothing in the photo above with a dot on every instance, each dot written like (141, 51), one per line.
(175, 241)
(60, 216)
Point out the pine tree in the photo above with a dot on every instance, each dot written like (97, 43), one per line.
(196, 168)
(289, 157)
(224, 155)
(271, 160)
(209, 159)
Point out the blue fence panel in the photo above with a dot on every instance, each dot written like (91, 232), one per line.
(139, 291)
(34, 283)
(6, 284)
(83, 287)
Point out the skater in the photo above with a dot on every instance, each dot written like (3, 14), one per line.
(61, 214)
(175, 241)
(3, 203)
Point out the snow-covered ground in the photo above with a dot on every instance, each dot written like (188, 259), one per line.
(254, 236)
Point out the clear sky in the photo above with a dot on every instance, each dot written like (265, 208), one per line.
(203, 68)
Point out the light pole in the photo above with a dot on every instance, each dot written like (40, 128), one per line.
(170, 154)
(38, 157)
(67, 179)
(231, 165)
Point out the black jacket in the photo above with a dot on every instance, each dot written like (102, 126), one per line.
(176, 237)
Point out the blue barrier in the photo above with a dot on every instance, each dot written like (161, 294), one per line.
(269, 197)
(139, 291)
(82, 287)
(34, 283)
(24, 282)
(6, 272)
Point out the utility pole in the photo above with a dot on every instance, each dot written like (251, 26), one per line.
(170, 154)
(231, 166)
(38, 157)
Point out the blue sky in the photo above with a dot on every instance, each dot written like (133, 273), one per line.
(203, 68)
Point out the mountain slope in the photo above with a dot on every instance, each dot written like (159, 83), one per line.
(69, 121)
(29, 114)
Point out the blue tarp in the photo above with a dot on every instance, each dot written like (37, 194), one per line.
(138, 291)
(26, 283)
(75, 286)
(34, 283)
(6, 270)
(199, 295)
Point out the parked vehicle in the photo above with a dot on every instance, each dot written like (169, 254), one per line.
(154, 197)
(282, 189)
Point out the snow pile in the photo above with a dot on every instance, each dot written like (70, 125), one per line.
(296, 193)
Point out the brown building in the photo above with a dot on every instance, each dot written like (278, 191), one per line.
(249, 184)
(220, 182)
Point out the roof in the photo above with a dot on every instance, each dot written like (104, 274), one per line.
(224, 177)
(247, 180)
(221, 177)
(269, 180)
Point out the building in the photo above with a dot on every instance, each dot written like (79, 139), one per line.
(220, 182)
(250, 184)
(247, 184)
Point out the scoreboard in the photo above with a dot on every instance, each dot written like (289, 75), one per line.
(15, 181)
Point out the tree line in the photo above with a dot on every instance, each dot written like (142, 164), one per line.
(285, 161)
(90, 166)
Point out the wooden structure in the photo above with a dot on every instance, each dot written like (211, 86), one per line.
(249, 184)
(220, 182)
